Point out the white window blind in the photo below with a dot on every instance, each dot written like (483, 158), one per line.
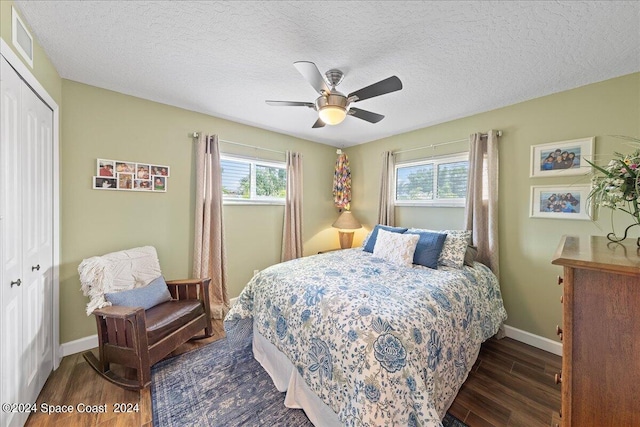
(452, 180)
(252, 181)
(440, 181)
(415, 182)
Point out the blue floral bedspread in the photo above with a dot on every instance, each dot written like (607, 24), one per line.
(379, 343)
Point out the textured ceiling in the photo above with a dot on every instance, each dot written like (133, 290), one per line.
(226, 58)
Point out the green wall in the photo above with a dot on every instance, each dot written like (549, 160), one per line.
(103, 124)
(42, 69)
(527, 244)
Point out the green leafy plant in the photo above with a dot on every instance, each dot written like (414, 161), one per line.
(617, 185)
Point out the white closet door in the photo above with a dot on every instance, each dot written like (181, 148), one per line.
(37, 122)
(45, 242)
(11, 252)
(26, 252)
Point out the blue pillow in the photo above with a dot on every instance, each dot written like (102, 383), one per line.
(154, 293)
(428, 248)
(371, 243)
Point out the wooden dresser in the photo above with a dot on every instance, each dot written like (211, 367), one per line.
(601, 332)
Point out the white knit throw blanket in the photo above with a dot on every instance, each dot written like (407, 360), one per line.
(115, 272)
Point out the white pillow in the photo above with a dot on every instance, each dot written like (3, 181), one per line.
(395, 247)
(454, 248)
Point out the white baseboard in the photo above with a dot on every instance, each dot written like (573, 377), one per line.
(79, 345)
(86, 343)
(232, 301)
(534, 340)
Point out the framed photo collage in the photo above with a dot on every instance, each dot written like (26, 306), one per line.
(130, 176)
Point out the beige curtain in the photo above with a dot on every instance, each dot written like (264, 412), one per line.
(209, 258)
(292, 230)
(386, 207)
(481, 212)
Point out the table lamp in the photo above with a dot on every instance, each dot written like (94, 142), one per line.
(346, 224)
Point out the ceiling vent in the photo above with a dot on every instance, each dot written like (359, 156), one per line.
(21, 38)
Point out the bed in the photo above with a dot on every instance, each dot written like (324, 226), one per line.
(360, 341)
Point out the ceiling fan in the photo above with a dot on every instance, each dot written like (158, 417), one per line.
(333, 106)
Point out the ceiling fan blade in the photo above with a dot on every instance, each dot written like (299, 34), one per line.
(365, 115)
(389, 85)
(290, 104)
(311, 74)
(318, 124)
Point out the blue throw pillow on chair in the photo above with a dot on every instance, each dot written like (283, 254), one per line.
(428, 248)
(156, 292)
(371, 243)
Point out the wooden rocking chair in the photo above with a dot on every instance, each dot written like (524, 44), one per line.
(136, 337)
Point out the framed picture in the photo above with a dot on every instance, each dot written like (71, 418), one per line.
(106, 168)
(160, 170)
(142, 184)
(130, 176)
(560, 201)
(125, 181)
(561, 158)
(125, 167)
(142, 171)
(102, 183)
(159, 183)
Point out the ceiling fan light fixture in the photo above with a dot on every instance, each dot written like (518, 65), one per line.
(332, 114)
(333, 106)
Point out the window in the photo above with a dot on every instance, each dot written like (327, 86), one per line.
(440, 181)
(252, 181)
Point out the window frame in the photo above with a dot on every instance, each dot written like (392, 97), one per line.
(435, 161)
(253, 198)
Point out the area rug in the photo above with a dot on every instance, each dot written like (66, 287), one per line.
(219, 386)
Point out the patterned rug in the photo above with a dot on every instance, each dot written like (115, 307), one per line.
(217, 386)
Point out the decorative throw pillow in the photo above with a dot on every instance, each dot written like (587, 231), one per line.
(455, 246)
(395, 247)
(148, 296)
(371, 241)
(470, 255)
(429, 248)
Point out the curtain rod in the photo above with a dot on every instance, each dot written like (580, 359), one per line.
(197, 135)
(499, 133)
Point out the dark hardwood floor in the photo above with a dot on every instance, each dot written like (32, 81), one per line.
(511, 384)
(75, 382)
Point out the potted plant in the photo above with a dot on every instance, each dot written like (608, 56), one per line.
(617, 186)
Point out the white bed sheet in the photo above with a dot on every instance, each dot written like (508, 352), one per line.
(286, 378)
